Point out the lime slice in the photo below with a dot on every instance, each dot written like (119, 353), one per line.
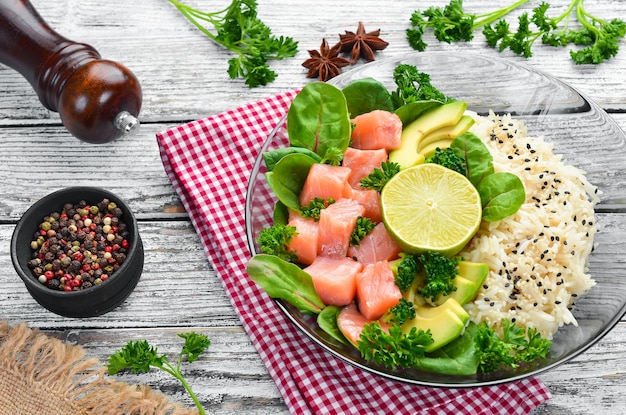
(431, 208)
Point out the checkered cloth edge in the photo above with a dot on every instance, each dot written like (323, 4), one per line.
(208, 162)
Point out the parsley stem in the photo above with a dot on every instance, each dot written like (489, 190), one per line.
(584, 16)
(488, 18)
(167, 367)
(192, 14)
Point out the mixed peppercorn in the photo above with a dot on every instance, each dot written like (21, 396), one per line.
(79, 247)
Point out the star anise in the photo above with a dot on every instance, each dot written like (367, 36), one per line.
(362, 43)
(326, 63)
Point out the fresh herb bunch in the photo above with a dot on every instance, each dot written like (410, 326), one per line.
(413, 85)
(511, 349)
(380, 176)
(600, 37)
(393, 349)
(139, 356)
(451, 23)
(238, 29)
(275, 240)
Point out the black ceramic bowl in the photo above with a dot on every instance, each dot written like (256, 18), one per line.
(88, 302)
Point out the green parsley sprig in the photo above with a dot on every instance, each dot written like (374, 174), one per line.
(393, 349)
(515, 346)
(380, 176)
(600, 37)
(314, 208)
(363, 227)
(238, 29)
(275, 240)
(139, 356)
(451, 23)
(413, 85)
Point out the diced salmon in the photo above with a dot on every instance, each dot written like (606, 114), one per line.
(351, 322)
(377, 129)
(325, 181)
(306, 241)
(336, 224)
(375, 246)
(376, 291)
(370, 200)
(334, 279)
(362, 163)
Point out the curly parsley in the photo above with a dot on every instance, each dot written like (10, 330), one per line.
(238, 29)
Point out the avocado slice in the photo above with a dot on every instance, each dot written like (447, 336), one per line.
(445, 322)
(430, 148)
(446, 133)
(446, 115)
(471, 276)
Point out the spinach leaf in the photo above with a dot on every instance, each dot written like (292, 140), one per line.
(456, 358)
(413, 110)
(282, 279)
(327, 320)
(288, 177)
(501, 194)
(272, 157)
(281, 214)
(318, 119)
(366, 95)
(478, 160)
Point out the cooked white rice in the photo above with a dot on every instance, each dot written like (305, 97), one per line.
(538, 257)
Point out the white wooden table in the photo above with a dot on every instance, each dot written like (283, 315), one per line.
(183, 76)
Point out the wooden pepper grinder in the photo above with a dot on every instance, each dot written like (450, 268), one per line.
(98, 100)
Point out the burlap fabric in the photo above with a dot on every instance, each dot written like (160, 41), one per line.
(42, 375)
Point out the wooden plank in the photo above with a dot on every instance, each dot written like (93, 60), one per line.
(148, 37)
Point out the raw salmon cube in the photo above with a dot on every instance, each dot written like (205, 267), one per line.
(376, 290)
(325, 181)
(362, 163)
(334, 279)
(351, 322)
(336, 224)
(375, 246)
(370, 200)
(306, 241)
(376, 129)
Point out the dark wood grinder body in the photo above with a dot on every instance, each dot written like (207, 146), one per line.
(98, 100)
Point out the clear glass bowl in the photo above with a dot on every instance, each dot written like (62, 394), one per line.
(580, 130)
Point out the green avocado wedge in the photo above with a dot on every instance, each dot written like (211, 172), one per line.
(446, 115)
(445, 322)
(471, 276)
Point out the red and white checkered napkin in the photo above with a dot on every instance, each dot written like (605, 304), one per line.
(208, 162)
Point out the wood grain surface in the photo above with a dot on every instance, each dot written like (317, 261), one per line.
(183, 76)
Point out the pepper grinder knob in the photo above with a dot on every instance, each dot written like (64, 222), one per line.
(126, 122)
(98, 100)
